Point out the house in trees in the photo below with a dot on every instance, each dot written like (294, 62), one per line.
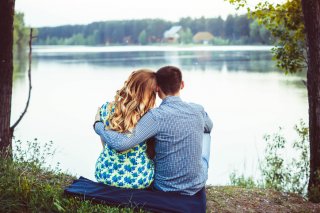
(172, 35)
(203, 37)
(127, 40)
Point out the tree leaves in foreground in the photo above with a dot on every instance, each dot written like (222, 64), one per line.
(286, 25)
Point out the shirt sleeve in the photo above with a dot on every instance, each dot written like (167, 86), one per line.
(147, 127)
(207, 120)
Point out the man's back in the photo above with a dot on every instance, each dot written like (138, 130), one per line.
(178, 165)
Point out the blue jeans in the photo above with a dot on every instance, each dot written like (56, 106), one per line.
(206, 142)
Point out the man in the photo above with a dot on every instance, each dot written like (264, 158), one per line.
(178, 129)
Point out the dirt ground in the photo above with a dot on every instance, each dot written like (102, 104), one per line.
(237, 199)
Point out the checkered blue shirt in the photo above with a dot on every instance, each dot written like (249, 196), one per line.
(178, 128)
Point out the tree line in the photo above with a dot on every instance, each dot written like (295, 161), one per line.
(234, 30)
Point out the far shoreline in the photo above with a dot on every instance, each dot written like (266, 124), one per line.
(147, 48)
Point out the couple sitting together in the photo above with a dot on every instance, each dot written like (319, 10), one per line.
(165, 148)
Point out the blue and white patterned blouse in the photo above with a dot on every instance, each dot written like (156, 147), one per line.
(128, 169)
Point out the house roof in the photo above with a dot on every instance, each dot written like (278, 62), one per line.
(172, 32)
(202, 36)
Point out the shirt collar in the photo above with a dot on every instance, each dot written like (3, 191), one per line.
(170, 99)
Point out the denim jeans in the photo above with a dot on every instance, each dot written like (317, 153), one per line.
(206, 151)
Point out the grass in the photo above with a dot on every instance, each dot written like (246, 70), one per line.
(25, 186)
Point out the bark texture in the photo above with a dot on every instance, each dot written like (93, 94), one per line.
(6, 71)
(311, 12)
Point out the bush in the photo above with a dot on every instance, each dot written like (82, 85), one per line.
(291, 175)
(242, 181)
(287, 175)
(220, 41)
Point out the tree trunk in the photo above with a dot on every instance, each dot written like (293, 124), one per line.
(311, 12)
(6, 71)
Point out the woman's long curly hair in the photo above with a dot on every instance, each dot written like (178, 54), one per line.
(133, 100)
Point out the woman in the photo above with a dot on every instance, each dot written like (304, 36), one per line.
(132, 168)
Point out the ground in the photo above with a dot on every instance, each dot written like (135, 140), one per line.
(237, 199)
(27, 187)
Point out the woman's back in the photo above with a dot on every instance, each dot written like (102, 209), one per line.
(128, 169)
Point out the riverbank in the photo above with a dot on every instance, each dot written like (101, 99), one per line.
(25, 187)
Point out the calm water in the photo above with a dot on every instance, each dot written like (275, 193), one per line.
(239, 87)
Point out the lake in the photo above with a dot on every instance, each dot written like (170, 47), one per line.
(239, 87)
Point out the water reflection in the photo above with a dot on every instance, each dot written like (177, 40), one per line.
(248, 61)
(19, 68)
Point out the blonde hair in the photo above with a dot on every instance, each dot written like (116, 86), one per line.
(133, 100)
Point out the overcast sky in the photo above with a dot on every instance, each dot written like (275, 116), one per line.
(60, 12)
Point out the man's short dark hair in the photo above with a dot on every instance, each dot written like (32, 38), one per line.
(169, 79)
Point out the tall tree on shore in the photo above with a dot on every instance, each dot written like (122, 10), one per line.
(296, 26)
(6, 71)
(311, 14)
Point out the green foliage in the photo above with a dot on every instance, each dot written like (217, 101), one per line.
(186, 36)
(20, 35)
(27, 186)
(235, 28)
(259, 34)
(242, 181)
(285, 23)
(230, 27)
(20, 44)
(287, 175)
(278, 171)
(33, 153)
(273, 169)
(143, 37)
(220, 41)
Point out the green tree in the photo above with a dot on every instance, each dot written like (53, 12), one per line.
(186, 36)
(229, 27)
(93, 39)
(216, 26)
(296, 26)
(241, 26)
(143, 37)
(20, 35)
(259, 33)
(285, 22)
(20, 42)
(187, 22)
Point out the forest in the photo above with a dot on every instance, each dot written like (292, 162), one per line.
(235, 30)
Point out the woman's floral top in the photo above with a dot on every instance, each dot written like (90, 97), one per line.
(128, 169)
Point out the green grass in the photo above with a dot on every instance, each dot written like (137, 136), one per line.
(26, 187)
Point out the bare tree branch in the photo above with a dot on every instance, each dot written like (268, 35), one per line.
(30, 86)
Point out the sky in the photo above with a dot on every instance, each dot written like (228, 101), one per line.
(39, 13)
